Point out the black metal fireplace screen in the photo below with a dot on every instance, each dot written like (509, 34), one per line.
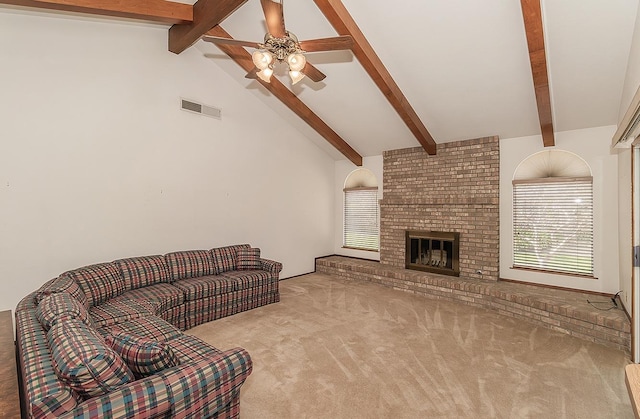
(433, 251)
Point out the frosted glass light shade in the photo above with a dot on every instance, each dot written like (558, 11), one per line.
(265, 74)
(261, 59)
(296, 76)
(296, 62)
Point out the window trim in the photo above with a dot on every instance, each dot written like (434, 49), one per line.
(361, 188)
(540, 181)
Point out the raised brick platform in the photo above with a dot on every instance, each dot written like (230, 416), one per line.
(561, 310)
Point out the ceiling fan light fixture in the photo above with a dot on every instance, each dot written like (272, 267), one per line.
(296, 76)
(265, 74)
(262, 59)
(296, 61)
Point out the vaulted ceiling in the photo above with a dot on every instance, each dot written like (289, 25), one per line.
(420, 73)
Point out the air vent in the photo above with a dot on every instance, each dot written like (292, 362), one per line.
(191, 106)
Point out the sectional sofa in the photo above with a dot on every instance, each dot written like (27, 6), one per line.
(107, 340)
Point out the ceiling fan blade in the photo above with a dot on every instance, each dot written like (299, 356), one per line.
(327, 44)
(313, 73)
(274, 16)
(229, 41)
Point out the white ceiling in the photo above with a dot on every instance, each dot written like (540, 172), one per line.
(462, 64)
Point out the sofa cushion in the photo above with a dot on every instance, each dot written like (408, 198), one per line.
(150, 327)
(247, 279)
(225, 258)
(100, 282)
(189, 264)
(65, 284)
(208, 309)
(117, 311)
(249, 259)
(143, 356)
(204, 286)
(60, 306)
(161, 296)
(83, 361)
(139, 272)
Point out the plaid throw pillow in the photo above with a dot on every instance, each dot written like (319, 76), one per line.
(143, 356)
(83, 361)
(60, 306)
(249, 259)
(63, 284)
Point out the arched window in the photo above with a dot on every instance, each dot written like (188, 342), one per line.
(361, 219)
(553, 214)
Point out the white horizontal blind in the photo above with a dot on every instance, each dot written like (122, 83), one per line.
(553, 225)
(361, 228)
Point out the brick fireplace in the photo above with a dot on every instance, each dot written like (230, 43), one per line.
(456, 191)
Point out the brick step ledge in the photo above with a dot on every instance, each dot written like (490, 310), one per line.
(562, 310)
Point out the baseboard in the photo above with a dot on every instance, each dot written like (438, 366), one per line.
(296, 276)
(315, 263)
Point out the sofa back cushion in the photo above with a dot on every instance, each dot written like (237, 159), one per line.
(100, 282)
(65, 284)
(189, 264)
(142, 271)
(83, 360)
(143, 356)
(226, 258)
(59, 307)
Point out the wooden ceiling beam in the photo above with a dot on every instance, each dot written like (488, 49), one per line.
(206, 15)
(344, 24)
(532, 15)
(286, 96)
(150, 10)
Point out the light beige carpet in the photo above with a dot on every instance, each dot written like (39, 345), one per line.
(341, 349)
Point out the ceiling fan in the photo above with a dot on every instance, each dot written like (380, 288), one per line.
(280, 45)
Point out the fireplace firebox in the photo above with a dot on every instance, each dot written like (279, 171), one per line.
(433, 251)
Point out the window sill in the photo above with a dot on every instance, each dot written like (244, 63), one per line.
(363, 249)
(544, 271)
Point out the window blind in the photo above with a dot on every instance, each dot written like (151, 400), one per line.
(553, 225)
(361, 228)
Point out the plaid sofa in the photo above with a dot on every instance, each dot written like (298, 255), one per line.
(107, 340)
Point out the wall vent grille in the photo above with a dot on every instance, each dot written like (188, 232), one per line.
(195, 107)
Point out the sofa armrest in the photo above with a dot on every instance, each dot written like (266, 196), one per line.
(200, 389)
(271, 266)
(144, 398)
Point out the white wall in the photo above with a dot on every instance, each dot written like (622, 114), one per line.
(342, 169)
(97, 162)
(593, 145)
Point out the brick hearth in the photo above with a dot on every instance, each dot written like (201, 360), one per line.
(561, 310)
